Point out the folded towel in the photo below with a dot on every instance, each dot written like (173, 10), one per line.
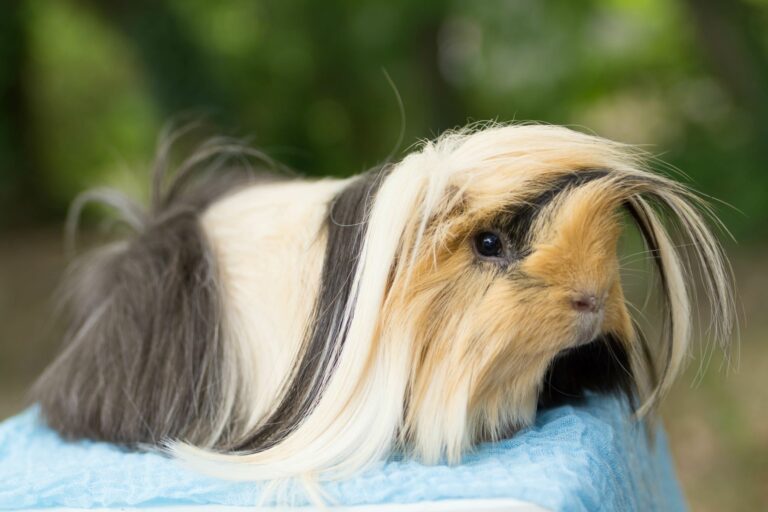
(575, 458)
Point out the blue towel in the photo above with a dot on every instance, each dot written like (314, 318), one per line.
(575, 458)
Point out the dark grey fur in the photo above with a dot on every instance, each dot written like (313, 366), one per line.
(144, 346)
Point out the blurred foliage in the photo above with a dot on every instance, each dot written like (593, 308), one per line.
(88, 84)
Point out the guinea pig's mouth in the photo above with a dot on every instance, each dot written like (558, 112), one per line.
(588, 331)
(600, 365)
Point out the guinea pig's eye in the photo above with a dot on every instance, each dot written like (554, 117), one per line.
(489, 245)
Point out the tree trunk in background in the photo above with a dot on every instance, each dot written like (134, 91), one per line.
(730, 32)
(724, 29)
(21, 199)
(175, 63)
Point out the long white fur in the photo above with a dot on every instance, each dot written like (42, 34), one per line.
(266, 329)
(356, 421)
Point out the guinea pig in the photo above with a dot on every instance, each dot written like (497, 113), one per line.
(282, 327)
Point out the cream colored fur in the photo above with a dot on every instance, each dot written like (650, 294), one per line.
(442, 351)
(268, 244)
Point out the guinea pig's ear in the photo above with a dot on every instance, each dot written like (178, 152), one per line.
(700, 254)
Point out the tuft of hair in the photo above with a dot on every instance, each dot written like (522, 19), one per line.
(308, 329)
(144, 358)
(406, 359)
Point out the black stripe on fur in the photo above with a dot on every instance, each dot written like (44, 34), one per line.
(519, 224)
(346, 226)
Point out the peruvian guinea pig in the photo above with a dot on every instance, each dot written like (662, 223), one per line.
(277, 327)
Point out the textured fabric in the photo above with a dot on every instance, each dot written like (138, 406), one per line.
(576, 458)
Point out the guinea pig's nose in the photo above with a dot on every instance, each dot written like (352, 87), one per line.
(585, 303)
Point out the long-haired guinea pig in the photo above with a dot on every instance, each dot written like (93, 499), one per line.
(280, 327)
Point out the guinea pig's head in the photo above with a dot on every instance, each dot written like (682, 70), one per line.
(506, 286)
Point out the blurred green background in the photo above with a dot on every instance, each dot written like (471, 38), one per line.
(86, 87)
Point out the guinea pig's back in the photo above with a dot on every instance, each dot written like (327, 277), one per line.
(268, 242)
(188, 329)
